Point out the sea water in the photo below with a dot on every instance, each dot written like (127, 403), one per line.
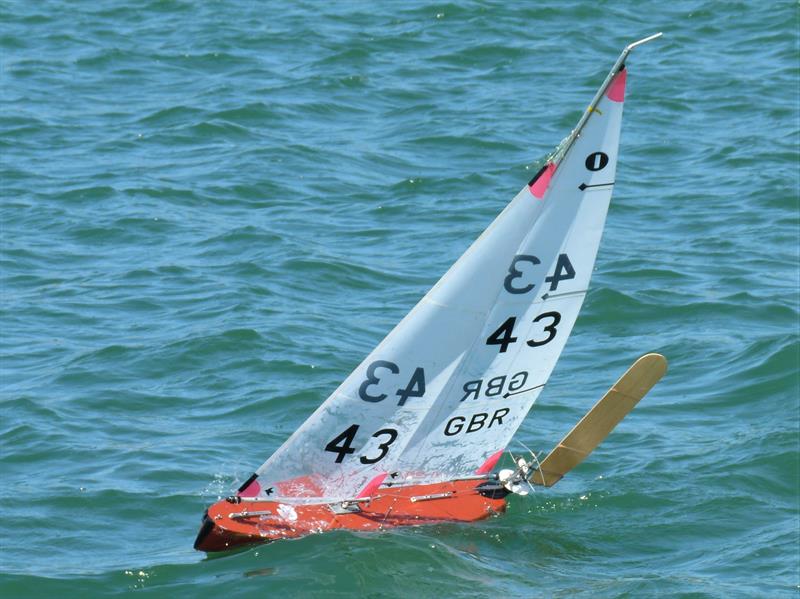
(211, 212)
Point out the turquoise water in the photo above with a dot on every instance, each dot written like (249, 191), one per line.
(211, 212)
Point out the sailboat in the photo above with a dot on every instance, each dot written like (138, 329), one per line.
(414, 434)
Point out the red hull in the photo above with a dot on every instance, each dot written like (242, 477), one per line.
(233, 523)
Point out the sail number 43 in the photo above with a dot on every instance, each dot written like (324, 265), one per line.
(342, 444)
(503, 335)
(564, 272)
(415, 387)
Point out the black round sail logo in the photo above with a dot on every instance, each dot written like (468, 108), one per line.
(596, 161)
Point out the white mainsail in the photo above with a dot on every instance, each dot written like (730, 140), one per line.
(442, 395)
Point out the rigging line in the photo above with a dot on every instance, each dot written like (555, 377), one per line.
(528, 449)
(538, 467)
(513, 459)
(535, 459)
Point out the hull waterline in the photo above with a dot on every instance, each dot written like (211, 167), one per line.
(233, 522)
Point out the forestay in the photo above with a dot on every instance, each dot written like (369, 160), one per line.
(441, 396)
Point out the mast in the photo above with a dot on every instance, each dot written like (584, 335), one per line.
(564, 147)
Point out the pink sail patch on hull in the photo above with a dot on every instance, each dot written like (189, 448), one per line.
(538, 185)
(251, 490)
(372, 486)
(490, 463)
(616, 91)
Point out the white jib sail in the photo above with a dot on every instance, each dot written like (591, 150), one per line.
(442, 395)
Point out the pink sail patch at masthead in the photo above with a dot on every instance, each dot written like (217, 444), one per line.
(616, 91)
